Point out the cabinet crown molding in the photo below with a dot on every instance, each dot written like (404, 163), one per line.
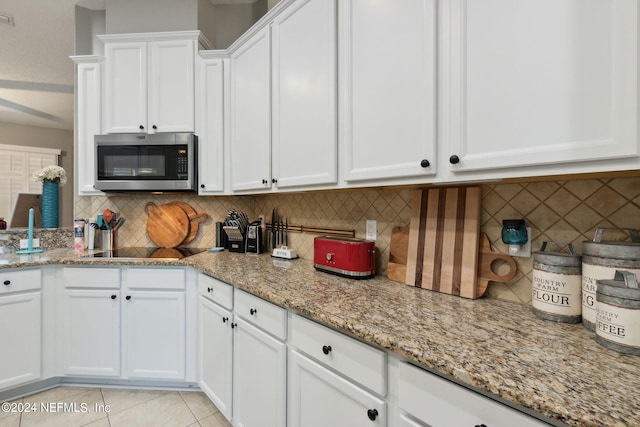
(150, 37)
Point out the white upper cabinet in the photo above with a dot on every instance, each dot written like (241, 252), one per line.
(149, 84)
(387, 74)
(250, 113)
(304, 94)
(210, 122)
(88, 121)
(542, 84)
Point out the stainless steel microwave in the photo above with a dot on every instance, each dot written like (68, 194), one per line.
(138, 162)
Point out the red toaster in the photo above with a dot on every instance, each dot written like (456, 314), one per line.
(345, 256)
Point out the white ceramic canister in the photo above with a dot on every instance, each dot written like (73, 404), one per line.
(618, 313)
(600, 260)
(557, 284)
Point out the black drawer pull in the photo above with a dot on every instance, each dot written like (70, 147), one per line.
(326, 349)
(128, 297)
(7, 282)
(233, 325)
(225, 319)
(113, 297)
(372, 414)
(253, 311)
(209, 290)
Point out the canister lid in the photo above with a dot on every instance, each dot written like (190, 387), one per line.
(623, 285)
(613, 249)
(558, 258)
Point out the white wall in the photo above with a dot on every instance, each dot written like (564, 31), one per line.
(33, 136)
(144, 16)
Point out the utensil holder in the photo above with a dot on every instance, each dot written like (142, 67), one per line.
(108, 240)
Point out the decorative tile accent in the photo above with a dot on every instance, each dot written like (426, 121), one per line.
(561, 211)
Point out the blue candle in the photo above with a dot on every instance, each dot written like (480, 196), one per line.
(30, 237)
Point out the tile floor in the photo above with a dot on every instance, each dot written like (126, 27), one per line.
(126, 407)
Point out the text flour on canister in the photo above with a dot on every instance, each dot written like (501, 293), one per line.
(557, 285)
(600, 260)
(618, 313)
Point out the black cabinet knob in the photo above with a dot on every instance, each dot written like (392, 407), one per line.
(113, 297)
(372, 414)
(480, 425)
(253, 311)
(326, 349)
(454, 160)
(209, 290)
(225, 319)
(274, 181)
(233, 325)
(201, 185)
(141, 127)
(425, 163)
(154, 126)
(128, 297)
(264, 181)
(7, 282)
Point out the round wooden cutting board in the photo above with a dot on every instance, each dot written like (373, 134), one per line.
(167, 225)
(194, 221)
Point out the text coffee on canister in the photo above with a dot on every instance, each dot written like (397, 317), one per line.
(618, 313)
(600, 260)
(557, 284)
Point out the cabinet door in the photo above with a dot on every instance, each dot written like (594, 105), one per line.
(20, 323)
(171, 86)
(88, 124)
(209, 126)
(91, 332)
(522, 94)
(154, 334)
(387, 88)
(442, 403)
(250, 133)
(215, 352)
(319, 398)
(126, 87)
(259, 378)
(304, 94)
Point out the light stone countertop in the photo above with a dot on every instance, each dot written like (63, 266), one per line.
(554, 369)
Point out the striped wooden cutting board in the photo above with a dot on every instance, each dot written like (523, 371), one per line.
(443, 240)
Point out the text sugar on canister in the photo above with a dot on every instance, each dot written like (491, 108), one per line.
(557, 279)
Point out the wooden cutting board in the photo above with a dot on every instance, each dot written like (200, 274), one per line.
(194, 221)
(444, 234)
(167, 225)
(397, 267)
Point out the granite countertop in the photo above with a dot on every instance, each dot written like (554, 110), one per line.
(554, 369)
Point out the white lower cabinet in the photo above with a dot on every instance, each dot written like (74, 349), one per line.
(136, 329)
(154, 334)
(21, 327)
(319, 397)
(215, 346)
(333, 379)
(91, 330)
(438, 402)
(259, 364)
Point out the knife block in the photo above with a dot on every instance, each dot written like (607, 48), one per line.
(235, 239)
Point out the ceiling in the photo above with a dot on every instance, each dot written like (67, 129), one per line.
(36, 74)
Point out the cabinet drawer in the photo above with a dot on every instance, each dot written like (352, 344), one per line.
(20, 280)
(155, 278)
(91, 277)
(261, 313)
(439, 402)
(215, 290)
(358, 361)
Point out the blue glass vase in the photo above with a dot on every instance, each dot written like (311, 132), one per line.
(50, 204)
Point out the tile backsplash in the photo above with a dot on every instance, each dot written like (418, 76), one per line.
(558, 211)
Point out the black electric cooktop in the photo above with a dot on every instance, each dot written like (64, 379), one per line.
(148, 253)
